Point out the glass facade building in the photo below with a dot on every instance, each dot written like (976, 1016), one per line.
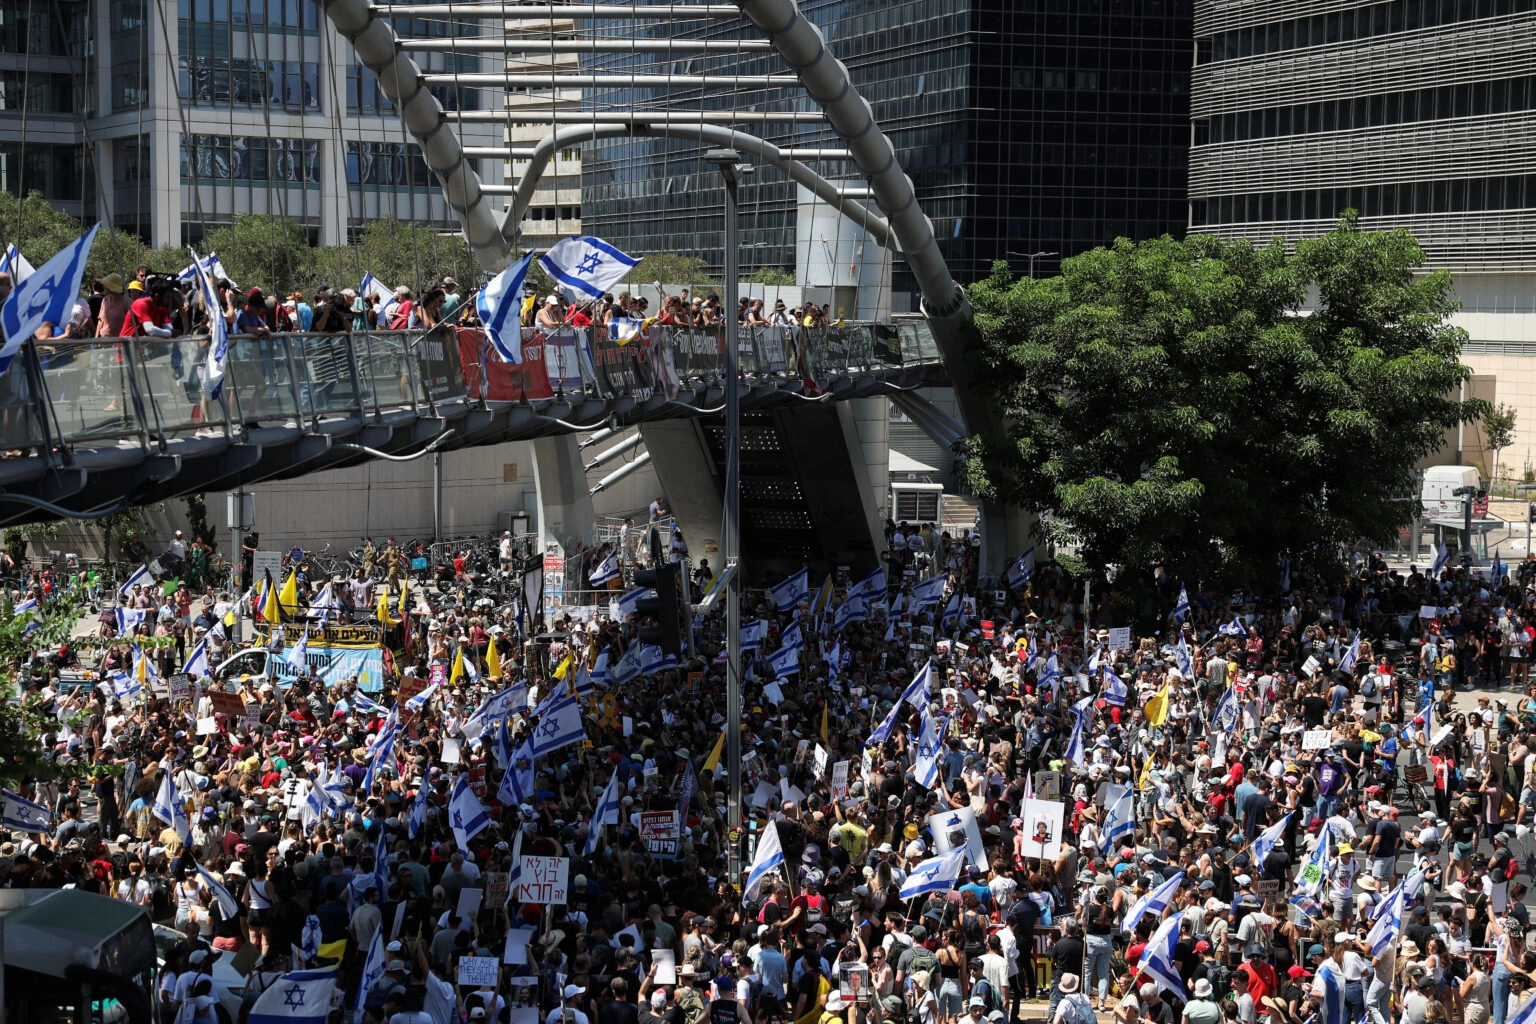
(1047, 128)
(1417, 113)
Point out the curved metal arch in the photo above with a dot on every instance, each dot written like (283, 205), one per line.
(715, 135)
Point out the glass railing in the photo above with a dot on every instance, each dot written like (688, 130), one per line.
(141, 389)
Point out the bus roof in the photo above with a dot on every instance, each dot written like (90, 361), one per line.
(48, 929)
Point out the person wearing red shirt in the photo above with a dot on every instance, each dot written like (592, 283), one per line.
(1262, 979)
(150, 314)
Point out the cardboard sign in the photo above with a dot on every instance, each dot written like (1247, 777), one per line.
(840, 780)
(1266, 886)
(1316, 739)
(226, 703)
(475, 971)
(544, 879)
(496, 890)
(958, 827)
(410, 686)
(1048, 785)
(1428, 611)
(661, 831)
(469, 902)
(665, 961)
(1120, 638)
(180, 686)
(477, 786)
(1043, 822)
(1310, 666)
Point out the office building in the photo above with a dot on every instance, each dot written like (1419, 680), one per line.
(238, 106)
(1031, 132)
(555, 210)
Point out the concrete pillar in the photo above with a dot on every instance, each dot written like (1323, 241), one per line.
(690, 480)
(866, 425)
(565, 505)
(163, 122)
(334, 201)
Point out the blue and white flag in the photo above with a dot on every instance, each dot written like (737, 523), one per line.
(298, 997)
(1075, 753)
(298, 654)
(23, 815)
(1442, 556)
(928, 592)
(1154, 902)
(792, 591)
(951, 611)
(1267, 840)
(936, 874)
(47, 295)
(1498, 568)
(871, 585)
(373, 286)
(627, 668)
(197, 665)
(752, 634)
(1181, 609)
(785, 662)
(15, 264)
(418, 816)
(141, 577)
(1119, 815)
(768, 857)
(381, 864)
(585, 267)
(366, 707)
(418, 701)
(628, 602)
(602, 675)
(624, 329)
(1050, 670)
(1314, 871)
(882, 732)
(605, 813)
(792, 637)
(1157, 958)
(1022, 569)
(126, 686)
(607, 569)
(315, 801)
(227, 902)
(1389, 922)
(518, 782)
(168, 807)
(29, 605)
(373, 970)
(144, 671)
(1227, 711)
(653, 659)
(1351, 655)
(500, 305)
(834, 657)
(919, 692)
(1332, 1009)
(1182, 657)
(218, 327)
(212, 267)
(930, 745)
(1113, 688)
(852, 610)
(687, 786)
(558, 729)
(1285, 574)
(1234, 628)
(466, 814)
(382, 751)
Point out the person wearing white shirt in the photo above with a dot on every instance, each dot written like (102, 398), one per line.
(566, 1013)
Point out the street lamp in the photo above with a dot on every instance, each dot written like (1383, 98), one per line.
(1031, 256)
(731, 171)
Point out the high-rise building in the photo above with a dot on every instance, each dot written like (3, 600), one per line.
(1031, 132)
(555, 209)
(170, 119)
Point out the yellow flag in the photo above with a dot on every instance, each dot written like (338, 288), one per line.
(492, 658)
(1156, 709)
(825, 710)
(823, 597)
(271, 610)
(565, 666)
(1146, 775)
(288, 597)
(458, 667)
(405, 592)
(383, 609)
(142, 670)
(713, 760)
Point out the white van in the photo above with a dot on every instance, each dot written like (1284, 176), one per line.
(1440, 483)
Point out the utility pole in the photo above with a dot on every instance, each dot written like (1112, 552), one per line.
(731, 168)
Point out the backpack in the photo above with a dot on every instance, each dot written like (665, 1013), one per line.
(1220, 977)
(162, 899)
(975, 935)
(400, 319)
(843, 905)
(1084, 1009)
(815, 913)
(983, 990)
(1368, 688)
(922, 960)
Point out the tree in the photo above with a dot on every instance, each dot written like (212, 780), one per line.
(23, 720)
(127, 524)
(670, 268)
(18, 537)
(1499, 429)
(396, 253)
(40, 231)
(1172, 403)
(773, 276)
(260, 251)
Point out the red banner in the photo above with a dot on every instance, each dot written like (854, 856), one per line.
(487, 376)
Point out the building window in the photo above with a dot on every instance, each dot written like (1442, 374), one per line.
(223, 158)
(387, 165)
(130, 85)
(223, 82)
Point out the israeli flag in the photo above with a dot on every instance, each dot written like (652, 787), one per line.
(1389, 922)
(834, 657)
(785, 662)
(752, 634)
(1314, 871)
(366, 707)
(1113, 688)
(23, 815)
(298, 997)
(1227, 711)
(602, 675)
(518, 781)
(952, 611)
(466, 814)
(141, 577)
(624, 329)
(373, 286)
(1075, 752)
(29, 605)
(929, 746)
(419, 701)
(1267, 840)
(928, 592)
(585, 267)
(792, 637)
(554, 702)
(1181, 610)
(126, 686)
(937, 874)
(1157, 958)
(1119, 815)
(560, 728)
(628, 666)
(1442, 556)
(1330, 979)
(1182, 657)
(168, 807)
(335, 789)
(197, 662)
(48, 295)
(769, 857)
(882, 732)
(298, 655)
(605, 813)
(1022, 569)
(1351, 655)
(628, 602)
(1234, 628)
(1412, 885)
(1154, 902)
(653, 659)
(373, 970)
(315, 800)
(919, 692)
(1050, 670)
(499, 304)
(792, 591)
(607, 569)
(218, 327)
(872, 584)
(850, 611)
(212, 267)
(382, 751)
(418, 816)
(15, 264)
(227, 902)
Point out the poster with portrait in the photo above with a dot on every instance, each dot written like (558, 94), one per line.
(1043, 823)
(956, 828)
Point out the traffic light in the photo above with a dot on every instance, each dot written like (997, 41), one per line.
(665, 607)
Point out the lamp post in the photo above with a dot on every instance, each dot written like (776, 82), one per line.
(1031, 256)
(731, 170)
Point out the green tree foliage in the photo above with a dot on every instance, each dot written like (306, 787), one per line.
(670, 268)
(1180, 403)
(259, 251)
(40, 231)
(396, 253)
(24, 719)
(773, 276)
(1499, 429)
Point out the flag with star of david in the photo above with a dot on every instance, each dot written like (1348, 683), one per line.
(299, 997)
(585, 267)
(559, 728)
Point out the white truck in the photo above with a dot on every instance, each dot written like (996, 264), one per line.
(1438, 495)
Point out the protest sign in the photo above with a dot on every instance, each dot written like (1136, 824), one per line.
(544, 879)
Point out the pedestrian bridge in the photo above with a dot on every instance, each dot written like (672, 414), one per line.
(91, 426)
